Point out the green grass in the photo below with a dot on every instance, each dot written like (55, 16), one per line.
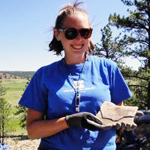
(14, 90)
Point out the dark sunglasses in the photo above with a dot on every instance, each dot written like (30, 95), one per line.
(72, 33)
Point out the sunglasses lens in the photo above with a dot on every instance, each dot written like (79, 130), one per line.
(71, 33)
(86, 33)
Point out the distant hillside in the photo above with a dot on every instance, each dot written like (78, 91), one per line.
(16, 74)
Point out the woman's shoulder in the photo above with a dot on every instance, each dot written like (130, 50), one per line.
(102, 61)
(50, 68)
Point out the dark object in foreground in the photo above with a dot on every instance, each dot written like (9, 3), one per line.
(137, 139)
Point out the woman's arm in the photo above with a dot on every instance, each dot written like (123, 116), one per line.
(120, 104)
(37, 127)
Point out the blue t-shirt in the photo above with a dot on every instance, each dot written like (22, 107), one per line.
(52, 91)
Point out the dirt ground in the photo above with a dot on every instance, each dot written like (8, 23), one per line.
(23, 144)
(142, 130)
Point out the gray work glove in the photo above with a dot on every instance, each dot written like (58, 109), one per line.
(125, 126)
(86, 120)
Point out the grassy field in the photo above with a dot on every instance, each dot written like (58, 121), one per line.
(14, 90)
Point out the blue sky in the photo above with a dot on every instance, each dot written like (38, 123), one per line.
(25, 29)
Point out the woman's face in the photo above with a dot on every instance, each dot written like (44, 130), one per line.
(78, 45)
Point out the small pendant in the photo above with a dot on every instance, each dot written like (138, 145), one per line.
(77, 102)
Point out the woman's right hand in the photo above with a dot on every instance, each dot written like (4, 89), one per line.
(86, 120)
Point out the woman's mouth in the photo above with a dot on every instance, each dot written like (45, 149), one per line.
(77, 47)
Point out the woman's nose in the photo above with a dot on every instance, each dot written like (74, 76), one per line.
(79, 37)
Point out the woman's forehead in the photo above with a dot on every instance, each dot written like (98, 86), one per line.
(77, 19)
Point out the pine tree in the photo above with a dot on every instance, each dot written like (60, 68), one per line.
(136, 27)
(22, 111)
(110, 47)
(5, 109)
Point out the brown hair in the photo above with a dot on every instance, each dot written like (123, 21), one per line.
(55, 45)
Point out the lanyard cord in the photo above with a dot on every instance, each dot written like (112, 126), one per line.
(76, 88)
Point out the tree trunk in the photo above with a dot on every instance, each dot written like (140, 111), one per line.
(148, 95)
(0, 134)
(3, 133)
(2, 127)
(148, 92)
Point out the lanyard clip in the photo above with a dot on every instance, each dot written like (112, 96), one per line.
(77, 102)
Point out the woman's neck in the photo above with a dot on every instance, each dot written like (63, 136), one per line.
(75, 59)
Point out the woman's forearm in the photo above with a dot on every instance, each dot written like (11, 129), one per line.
(37, 127)
(45, 128)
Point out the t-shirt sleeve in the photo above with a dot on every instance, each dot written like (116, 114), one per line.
(35, 95)
(119, 88)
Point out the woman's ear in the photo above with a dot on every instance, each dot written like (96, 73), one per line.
(56, 34)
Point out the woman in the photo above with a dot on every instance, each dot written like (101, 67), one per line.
(63, 98)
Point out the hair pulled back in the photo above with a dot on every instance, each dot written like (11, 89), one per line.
(67, 10)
